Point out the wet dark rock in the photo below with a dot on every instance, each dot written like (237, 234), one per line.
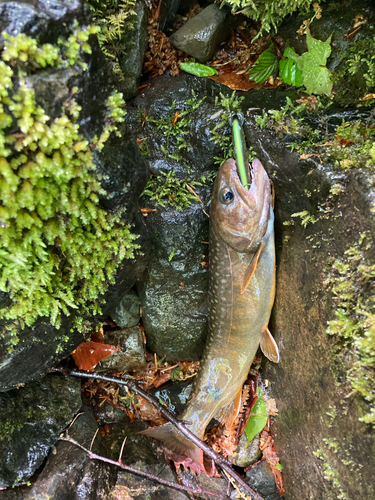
(124, 171)
(215, 484)
(168, 10)
(69, 472)
(174, 290)
(247, 455)
(131, 59)
(143, 489)
(39, 348)
(31, 419)
(132, 355)
(201, 36)
(174, 314)
(263, 482)
(127, 313)
(137, 448)
(45, 19)
(316, 405)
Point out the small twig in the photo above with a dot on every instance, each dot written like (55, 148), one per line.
(198, 198)
(94, 456)
(218, 459)
(75, 418)
(169, 368)
(93, 439)
(122, 449)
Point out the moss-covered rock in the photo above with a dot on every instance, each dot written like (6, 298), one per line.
(325, 449)
(63, 235)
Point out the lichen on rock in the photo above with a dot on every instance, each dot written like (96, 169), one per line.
(59, 249)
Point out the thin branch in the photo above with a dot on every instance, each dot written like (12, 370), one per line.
(122, 449)
(93, 439)
(218, 459)
(94, 456)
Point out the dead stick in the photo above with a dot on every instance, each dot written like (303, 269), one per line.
(147, 475)
(218, 459)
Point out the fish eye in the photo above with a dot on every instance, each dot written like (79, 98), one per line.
(226, 196)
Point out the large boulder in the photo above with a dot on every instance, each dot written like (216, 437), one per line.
(324, 447)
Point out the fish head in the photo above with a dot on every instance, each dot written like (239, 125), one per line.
(239, 215)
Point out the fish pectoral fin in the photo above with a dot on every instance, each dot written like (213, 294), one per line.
(228, 414)
(269, 346)
(250, 270)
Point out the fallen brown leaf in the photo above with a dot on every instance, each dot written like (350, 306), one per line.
(88, 354)
(238, 82)
(267, 445)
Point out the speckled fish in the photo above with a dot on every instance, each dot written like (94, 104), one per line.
(241, 295)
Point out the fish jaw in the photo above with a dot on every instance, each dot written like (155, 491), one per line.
(239, 215)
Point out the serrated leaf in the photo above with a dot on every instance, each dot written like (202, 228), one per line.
(265, 65)
(198, 69)
(315, 76)
(258, 417)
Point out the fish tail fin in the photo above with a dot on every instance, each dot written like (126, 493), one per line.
(180, 449)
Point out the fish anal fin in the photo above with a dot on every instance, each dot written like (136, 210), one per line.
(269, 346)
(228, 414)
(250, 270)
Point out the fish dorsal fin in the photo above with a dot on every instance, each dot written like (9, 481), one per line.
(228, 414)
(269, 346)
(250, 270)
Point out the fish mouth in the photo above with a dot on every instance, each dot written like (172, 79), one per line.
(254, 195)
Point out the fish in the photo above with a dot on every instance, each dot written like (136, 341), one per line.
(241, 296)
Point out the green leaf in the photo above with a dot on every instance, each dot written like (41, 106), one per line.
(265, 65)
(315, 76)
(289, 72)
(258, 417)
(198, 69)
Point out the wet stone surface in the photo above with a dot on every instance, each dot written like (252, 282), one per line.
(261, 479)
(132, 355)
(315, 402)
(201, 35)
(247, 455)
(133, 51)
(127, 313)
(31, 419)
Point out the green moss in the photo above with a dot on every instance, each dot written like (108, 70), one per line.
(331, 474)
(174, 126)
(58, 248)
(291, 120)
(269, 12)
(166, 188)
(356, 74)
(351, 145)
(351, 281)
(115, 19)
